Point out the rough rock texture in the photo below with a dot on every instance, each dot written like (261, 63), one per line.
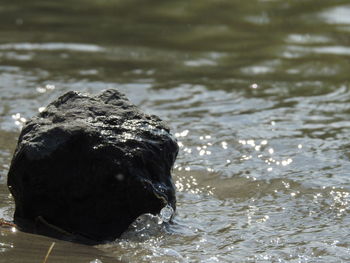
(87, 166)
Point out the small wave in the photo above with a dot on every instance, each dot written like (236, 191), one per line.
(52, 46)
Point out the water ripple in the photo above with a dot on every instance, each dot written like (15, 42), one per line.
(80, 47)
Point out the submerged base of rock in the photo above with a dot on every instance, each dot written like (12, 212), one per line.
(87, 166)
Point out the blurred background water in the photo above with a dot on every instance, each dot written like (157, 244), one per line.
(257, 93)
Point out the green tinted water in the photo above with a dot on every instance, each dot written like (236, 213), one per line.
(257, 93)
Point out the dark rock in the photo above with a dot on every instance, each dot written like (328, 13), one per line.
(87, 166)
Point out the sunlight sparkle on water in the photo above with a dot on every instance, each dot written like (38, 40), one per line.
(251, 143)
(254, 86)
(190, 184)
(19, 121)
(340, 203)
(263, 142)
(286, 162)
(188, 150)
(245, 157)
(41, 109)
(224, 145)
(182, 134)
(40, 89)
(45, 88)
(269, 156)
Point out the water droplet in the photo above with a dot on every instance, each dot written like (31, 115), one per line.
(166, 213)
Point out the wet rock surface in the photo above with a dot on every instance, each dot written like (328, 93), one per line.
(87, 166)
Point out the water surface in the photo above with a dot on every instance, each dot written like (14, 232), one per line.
(257, 93)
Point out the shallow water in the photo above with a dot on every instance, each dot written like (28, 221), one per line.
(257, 93)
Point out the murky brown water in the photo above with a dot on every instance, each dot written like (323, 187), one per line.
(257, 93)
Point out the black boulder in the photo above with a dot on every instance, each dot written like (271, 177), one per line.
(87, 166)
